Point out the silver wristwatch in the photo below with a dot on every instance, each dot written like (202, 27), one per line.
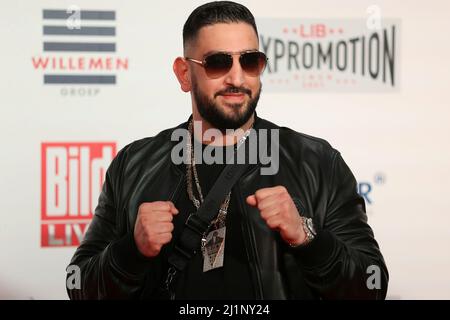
(308, 227)
(310, 231)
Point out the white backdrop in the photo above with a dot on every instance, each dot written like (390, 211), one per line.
(395, 141)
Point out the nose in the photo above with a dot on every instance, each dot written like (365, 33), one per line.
(235, 77)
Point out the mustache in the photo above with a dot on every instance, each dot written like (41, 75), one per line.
(234, 90)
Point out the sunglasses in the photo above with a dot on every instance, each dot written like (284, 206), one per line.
(219, 64)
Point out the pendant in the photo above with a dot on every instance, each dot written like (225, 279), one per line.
(213, 251)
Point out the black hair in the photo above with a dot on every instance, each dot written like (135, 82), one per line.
(216, 12)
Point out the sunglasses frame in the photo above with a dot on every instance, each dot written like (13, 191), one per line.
(239, 53)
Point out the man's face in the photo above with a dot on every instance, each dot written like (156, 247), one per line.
(229, 101)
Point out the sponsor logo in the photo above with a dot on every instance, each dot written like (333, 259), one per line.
(72, 176)
(365, 189)
(330, 55)
(79, 50)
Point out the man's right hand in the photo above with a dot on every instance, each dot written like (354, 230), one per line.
(153, 227)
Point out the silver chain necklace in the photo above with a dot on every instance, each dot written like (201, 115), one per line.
(191, 171)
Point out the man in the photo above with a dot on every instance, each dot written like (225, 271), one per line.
(299, 233)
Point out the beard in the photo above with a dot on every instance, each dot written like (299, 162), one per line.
(212, 112)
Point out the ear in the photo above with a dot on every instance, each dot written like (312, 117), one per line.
(181, 70)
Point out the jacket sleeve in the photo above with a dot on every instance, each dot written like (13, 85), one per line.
(110, 264)
(344, 261)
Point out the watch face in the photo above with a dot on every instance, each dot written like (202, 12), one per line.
(309, 224)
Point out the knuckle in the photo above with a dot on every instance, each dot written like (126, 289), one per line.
(260, 206)
(142, 207)
(285, 196)
(142, 220)
(165, 205)
(161, 205)
(259, 193)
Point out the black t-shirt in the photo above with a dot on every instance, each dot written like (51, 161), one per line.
(232, 281)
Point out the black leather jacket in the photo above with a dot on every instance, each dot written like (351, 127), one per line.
(333, 266)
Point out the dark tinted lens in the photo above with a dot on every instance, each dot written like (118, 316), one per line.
(218, 64)
(253, 63)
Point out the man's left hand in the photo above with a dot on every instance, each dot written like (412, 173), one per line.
(280, 213)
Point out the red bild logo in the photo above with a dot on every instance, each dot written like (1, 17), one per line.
(72, 178)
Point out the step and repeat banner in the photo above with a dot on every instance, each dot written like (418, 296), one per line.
(81, 79)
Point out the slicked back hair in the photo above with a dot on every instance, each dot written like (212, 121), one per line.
(215, 12)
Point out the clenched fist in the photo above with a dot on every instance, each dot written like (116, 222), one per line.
(280, 213)
(153, 227)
